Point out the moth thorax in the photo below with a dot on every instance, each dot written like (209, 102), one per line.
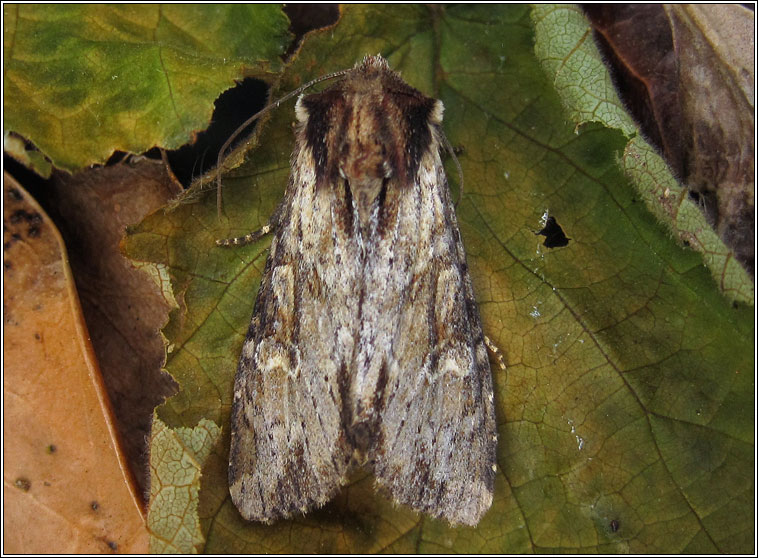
(364, 166)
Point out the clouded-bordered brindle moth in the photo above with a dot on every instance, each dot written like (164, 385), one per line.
(366, 344)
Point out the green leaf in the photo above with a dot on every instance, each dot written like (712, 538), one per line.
(84, 80)
(626, 412)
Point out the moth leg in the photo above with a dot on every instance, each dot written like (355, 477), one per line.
(249, 238)
(254, 236)
(496, 352)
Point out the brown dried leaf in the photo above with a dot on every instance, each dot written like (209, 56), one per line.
(715, 47)
(123, 307)
(67, 486)
(636, 41)
(686, 73)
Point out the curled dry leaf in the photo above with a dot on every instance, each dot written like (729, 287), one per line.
(644, 71)
(67, 487)
(716, 51)
(124, 308)
(686, 73)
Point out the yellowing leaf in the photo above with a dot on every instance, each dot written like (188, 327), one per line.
(176, 460)
(625, 414)
(83, 80)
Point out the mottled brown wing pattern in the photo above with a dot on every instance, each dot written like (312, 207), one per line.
(366, 344)
(434, 447)
(422, 379)
(289, 451)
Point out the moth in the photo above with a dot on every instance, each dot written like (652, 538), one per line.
(365, 345)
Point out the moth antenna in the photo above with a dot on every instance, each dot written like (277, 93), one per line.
(449, 148)
(255, 117)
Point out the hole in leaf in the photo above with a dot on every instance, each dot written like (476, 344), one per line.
(553, 233)
(233, 107)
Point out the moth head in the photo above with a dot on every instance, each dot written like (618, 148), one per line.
(376, 61)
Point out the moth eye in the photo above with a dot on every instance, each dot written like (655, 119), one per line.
(387, 169)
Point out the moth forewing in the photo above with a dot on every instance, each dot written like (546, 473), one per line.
(365, 338)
